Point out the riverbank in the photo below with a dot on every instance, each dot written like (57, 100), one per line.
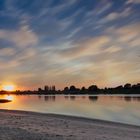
(22, 125)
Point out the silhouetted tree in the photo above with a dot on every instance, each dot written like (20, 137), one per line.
(119, 87)
(136, 86)
(39, 89)
(50, 88)
(93, 88)
(83, 89)
(72, 88)
(127, 86)
(66, 89)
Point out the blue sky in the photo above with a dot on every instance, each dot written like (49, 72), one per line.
(63, 42)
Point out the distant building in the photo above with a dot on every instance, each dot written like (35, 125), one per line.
(53, 88)
(46, 88)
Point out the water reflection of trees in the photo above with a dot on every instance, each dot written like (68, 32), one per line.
(47, 98)
(131, 98)
(93, 98)
(39, 97)
(126, 98)
(136, 98)
(72, 97)
(66, 97)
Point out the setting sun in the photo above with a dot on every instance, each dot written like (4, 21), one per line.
(8, 87)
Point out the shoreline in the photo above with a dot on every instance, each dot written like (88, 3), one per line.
(16, 124)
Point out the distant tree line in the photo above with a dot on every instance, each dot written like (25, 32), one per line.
(91, 90)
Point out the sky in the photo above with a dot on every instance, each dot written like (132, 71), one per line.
(69, 42)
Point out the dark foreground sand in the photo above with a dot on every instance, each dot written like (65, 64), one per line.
(18, 125)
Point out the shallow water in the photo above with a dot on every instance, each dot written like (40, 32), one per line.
(125, 109)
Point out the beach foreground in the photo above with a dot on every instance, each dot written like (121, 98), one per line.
(21, 125)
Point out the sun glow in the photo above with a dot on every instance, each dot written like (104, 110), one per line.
(8, 87)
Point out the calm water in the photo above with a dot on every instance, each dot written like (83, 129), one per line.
(125, 109)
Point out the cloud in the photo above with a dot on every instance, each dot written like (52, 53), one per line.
(133, 2)
(7, 52)
(113, 44)
(117, 15)
(112, 16)
(22, 38)
(128, 34)
(113, 49)
(7, 65)
(102, 7)
(91, 46)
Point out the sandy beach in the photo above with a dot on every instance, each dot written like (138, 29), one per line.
(21, 125)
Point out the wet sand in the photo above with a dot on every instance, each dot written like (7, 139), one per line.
(22, 125)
